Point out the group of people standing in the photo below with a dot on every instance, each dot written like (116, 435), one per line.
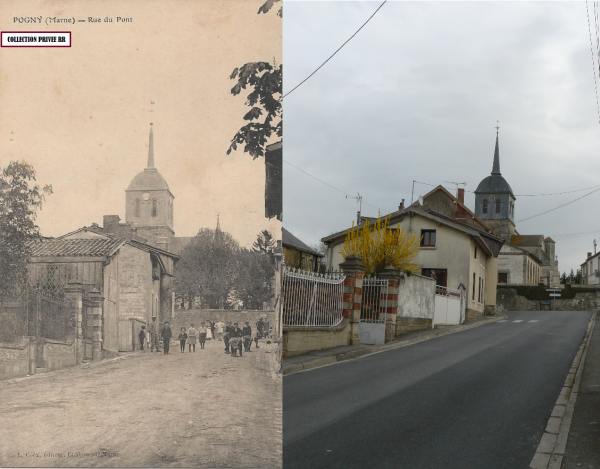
(232, 335)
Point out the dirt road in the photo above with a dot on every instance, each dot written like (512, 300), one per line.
(206, 409)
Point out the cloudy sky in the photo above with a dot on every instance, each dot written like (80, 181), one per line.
(416, 96)
(81, 115)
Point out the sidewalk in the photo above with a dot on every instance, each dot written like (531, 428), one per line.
(583, 443)
(319, 358)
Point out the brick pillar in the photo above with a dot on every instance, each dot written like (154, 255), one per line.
(74, 291)
(353, 269)
(97, 299)
(393, 277)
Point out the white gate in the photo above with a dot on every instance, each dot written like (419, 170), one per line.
(449, 306)
(311, 299)
(371, 328)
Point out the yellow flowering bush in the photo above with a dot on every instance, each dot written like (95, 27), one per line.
(379, 246)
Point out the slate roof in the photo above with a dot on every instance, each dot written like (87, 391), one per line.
(148, 180)
(288, 239)
(76, 247)
(494, 184)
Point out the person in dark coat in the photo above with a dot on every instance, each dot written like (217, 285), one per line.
(235, 339)
(247, 334)
(227, 336)
(182, 339)
(142, 337)
(166, 335)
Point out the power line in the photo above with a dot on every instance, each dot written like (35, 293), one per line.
(592, 52)
(556, 208)
(331, 56)
(328, 185)
(528, 195)
(575, 235)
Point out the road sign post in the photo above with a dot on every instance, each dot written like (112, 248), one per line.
(554, 293)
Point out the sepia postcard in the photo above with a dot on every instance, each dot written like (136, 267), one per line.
(140, 233)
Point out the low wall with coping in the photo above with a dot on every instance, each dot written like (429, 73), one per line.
(526, 298)
(407, 325)
(301, 339)
(59, 355)
(14, 359)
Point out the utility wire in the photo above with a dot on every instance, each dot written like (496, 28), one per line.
(592, 52)
(328, 185)
(331, 56)
(556, 208)
(575, 235)
(526, 195)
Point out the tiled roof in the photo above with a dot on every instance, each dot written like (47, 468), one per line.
(288, 239)
(526, 240)
(94, 247)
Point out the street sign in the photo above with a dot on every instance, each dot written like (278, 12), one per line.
(555, 294)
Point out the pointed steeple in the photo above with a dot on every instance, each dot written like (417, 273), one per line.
(496, 167)
(218, 224)
(151, 150)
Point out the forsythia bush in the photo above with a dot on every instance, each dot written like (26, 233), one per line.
(379, 246)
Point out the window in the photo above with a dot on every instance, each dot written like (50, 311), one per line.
(440, 276)
(473, 287)
(498, 205)
(137, 207)
(475, 252)
(428, 240)
(502, 277)
(479, 292)
(154, 207)
(485, 206)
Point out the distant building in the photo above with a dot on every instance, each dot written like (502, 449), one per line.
(590, 270)
(299, 255)
(524, 259)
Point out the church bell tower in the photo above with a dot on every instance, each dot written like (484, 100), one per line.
(495, 201)
(149, 204)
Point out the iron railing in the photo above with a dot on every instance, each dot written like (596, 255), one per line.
(374, 300)
(312, 299)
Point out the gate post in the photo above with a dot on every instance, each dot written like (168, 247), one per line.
(393, 277)
(96, 299)
(353, 269)
(74, 292)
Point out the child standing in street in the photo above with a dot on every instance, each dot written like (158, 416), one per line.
(142, 337)
(202, 334)
(182, 339)
(192, 333)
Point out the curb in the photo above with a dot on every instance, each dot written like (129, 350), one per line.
(368, 350)
(552, 446)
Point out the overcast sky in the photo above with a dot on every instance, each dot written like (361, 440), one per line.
(81, 115)
(416, 96)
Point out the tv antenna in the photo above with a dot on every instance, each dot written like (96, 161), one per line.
(358, 199)
(457, 184)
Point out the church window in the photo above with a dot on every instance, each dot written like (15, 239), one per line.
(485, 206)
(154, 207)
(498, 205)
(137, 207)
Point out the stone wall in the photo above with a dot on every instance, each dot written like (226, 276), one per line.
(473, 314)
(135, 284)
(416, 297)
(14, 359)
(508, 299)
(59, 355)
(300, 339)
(406, 325)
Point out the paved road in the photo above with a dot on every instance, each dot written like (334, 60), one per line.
(205, 409)
(480, 398)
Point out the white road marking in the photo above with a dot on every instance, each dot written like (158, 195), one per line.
(518, 320)
(534, 320)
(503, 320)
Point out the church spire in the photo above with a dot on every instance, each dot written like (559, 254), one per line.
(496, 167)
(151, 150)
(218, 224)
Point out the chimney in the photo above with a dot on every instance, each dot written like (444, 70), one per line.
(109, 222)
(401, 206)
(589, 255)
(461, 194)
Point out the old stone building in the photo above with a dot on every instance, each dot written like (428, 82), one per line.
(524, 259)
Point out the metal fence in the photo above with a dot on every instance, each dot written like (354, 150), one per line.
(374, 300)
(35, 313)
(312, 299)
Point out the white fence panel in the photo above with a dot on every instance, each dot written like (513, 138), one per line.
(449, 306)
